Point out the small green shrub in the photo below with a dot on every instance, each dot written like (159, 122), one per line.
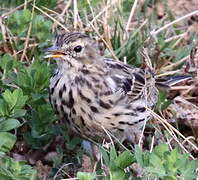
(11, 108)
(15, 170)
(166, 164)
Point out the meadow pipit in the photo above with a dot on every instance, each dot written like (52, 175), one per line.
(92, 93)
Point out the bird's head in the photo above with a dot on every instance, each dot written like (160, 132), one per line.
(73, 50)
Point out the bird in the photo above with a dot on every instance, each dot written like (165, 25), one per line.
(98, 97)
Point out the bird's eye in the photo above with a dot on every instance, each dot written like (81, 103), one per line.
(77, 49)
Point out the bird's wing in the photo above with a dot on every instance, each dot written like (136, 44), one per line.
(127, 79)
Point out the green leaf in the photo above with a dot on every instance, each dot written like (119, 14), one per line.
(42, 28)
(19, 21)
(125, 159)
(85, 176)
(7, 141)
(9, 98)
(20, 98)
(15, 170)
(4, 111)
(163, 102)
(25, 15)
(40, 76)
(18, 113)
(105, 156)
(9, 124)
(170, 178)
(156, 162)
(181, 53)
(15, 99)
(167, 164)
(139, 156)
(155, 171)
(171, 159)
(34, 79)
(6, 62)
(118, 174)
(113, 156)
(189, 173)
(161, 149)
(46, 3)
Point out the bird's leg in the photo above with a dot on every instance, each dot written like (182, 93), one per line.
(91, 149)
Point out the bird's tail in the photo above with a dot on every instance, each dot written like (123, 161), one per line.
(169, 81)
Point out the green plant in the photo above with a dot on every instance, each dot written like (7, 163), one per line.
(163, 102)
(40, 29)
(117, 163)
(166, 164)
(161, 163)
(11, 108)
(15, 170)
(86, 176)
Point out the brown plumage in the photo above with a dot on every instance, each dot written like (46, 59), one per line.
(92, 93)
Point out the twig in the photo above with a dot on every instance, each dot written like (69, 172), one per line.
(75, 13)
(19, 38)
(184, 101)
(92, 12)
(29, 46)
(9, 35)
(108, 134)
(28, 33)
(100, 13)
(25, 5)
(61, 168)
(142, 132)
(189, 137)
(154, 33)
(174, 129)
(172, 66)
(50, 10)
(172, 133)
(3, 28)
(131, 16)
(181, 87)
(107, 33)
(152, 143)
(147, 59)
(65, 9)
(114, 137)
(176, 139)
(167, 73)
(15, 9)
(60, 16)
(112, 53)
(53, 19)
(175, 37)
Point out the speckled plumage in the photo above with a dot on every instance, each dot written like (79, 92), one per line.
(90, 92)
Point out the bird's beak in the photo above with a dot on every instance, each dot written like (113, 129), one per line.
(55, 52)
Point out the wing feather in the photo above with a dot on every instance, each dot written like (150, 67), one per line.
(128, 79)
